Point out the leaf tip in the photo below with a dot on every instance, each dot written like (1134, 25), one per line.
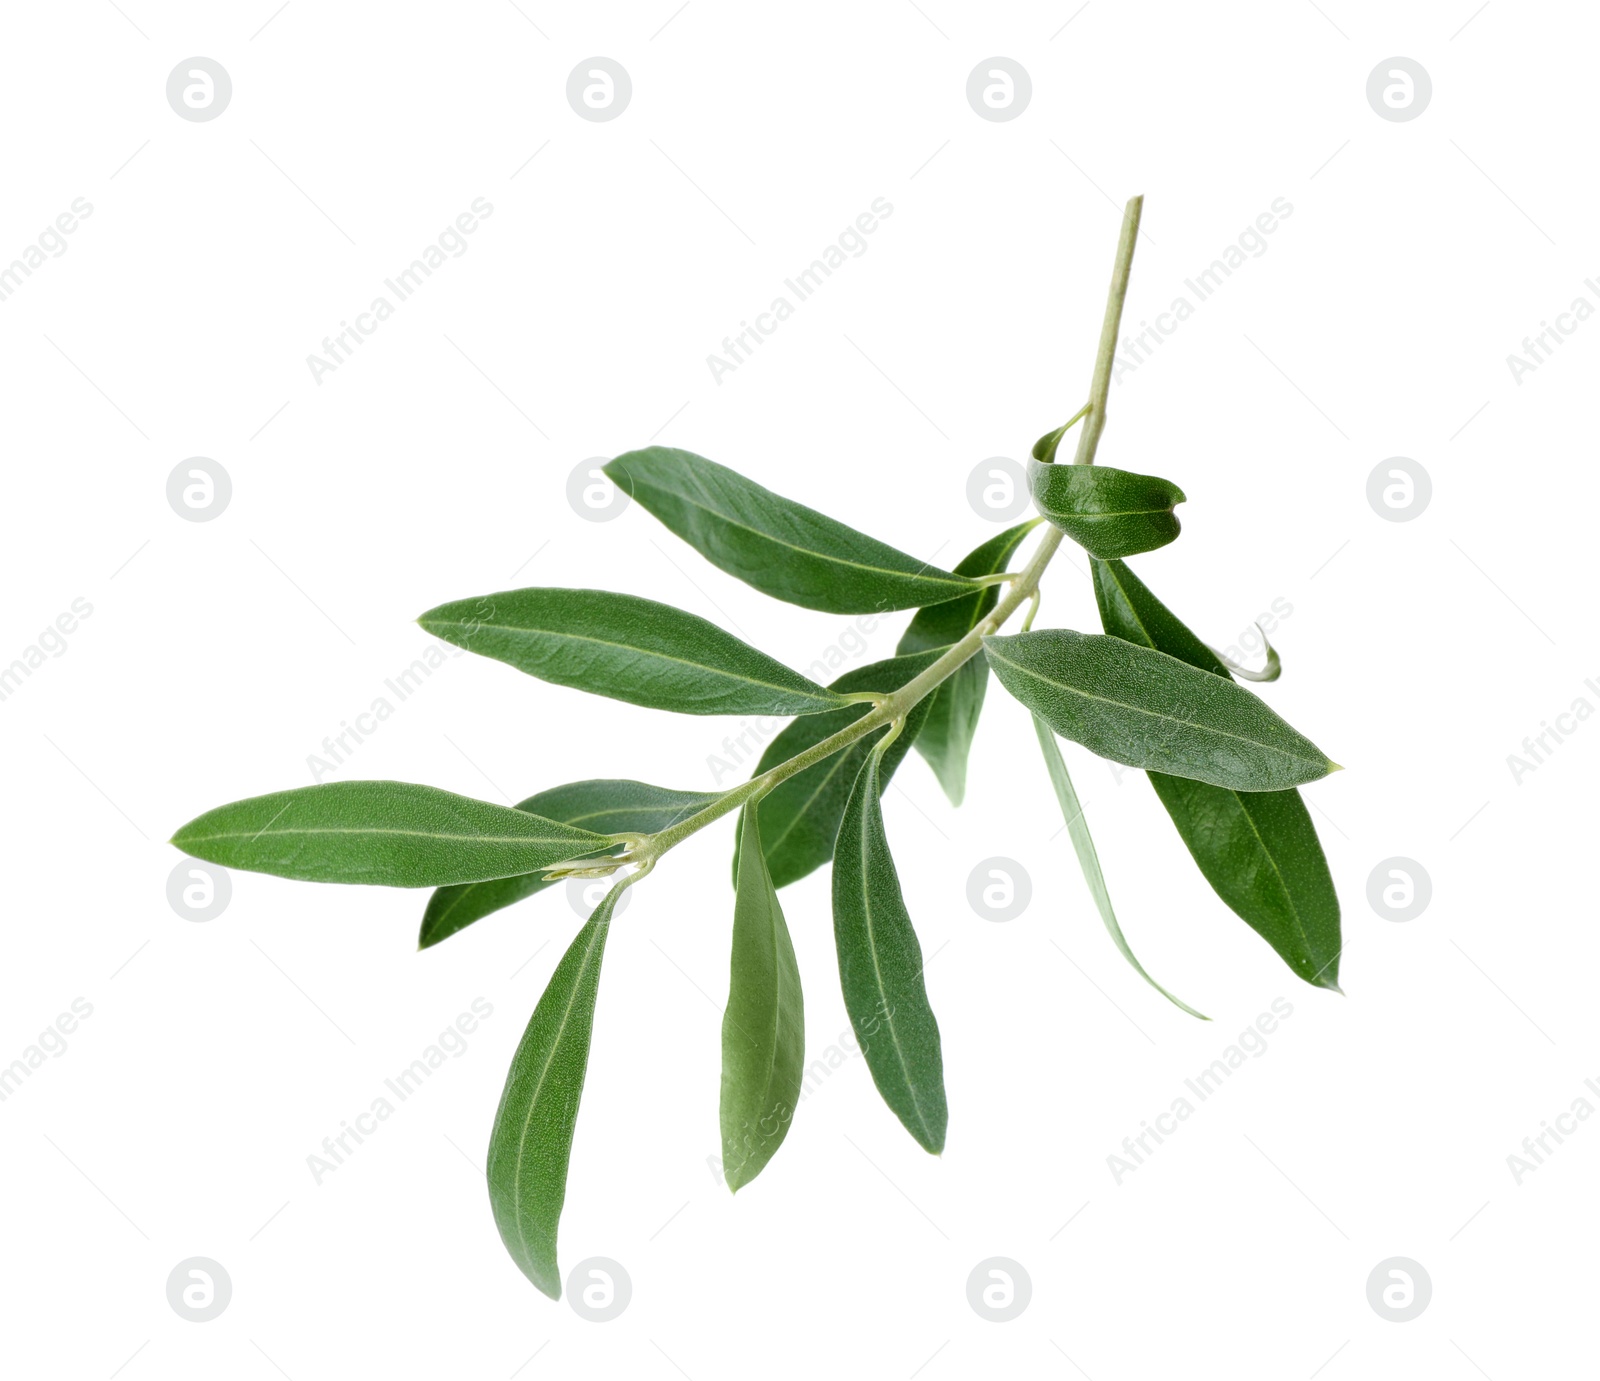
(1334, 767)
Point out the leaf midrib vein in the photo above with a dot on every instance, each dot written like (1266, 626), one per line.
(821, 692)
(961, 581)
(538, 1088)
(868, 803)
(408, 834)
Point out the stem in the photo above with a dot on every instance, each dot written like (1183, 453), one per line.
(1022, 588)
(1089, 437)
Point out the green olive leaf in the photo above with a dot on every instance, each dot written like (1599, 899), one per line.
(1143, 708)
(763, 1025)
(1089, 858)
(782, 548)
(1258, 850)
(953, 709)
(800, 816)
(880, 969)
(1107, 512)
(530, 1146)
(627, 648)
(391, 834)
(611, 807)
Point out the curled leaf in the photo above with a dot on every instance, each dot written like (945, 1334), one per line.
(1107, 512)
(1270, 672)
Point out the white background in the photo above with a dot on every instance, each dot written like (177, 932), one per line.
(433, 466)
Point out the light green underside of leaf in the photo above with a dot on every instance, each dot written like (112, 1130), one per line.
(1089, 858)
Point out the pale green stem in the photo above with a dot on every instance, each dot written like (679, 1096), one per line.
(892, 708)
(1095, 423)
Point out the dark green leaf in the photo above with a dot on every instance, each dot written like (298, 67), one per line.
(800, 816)
(783, 548)
(880, 969)
(628, 648)
(763, 1025)
(1260, 853)
(611, 807)
(953, 709)
(1129, 611)
(1107, 512)
(1143, 708)
(531, 1144)
(393, 834)
(1258, 850)
(1089, 858)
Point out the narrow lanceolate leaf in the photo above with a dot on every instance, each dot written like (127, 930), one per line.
(1044, 449)
(800, 816)
(1089, 859)
(1129, 611)
(763, 1025)
(880, 969)
(628, 648)
(1258, 850)
(394, 834)
(610, 807)
(1260, 853)
(953, 709)
(1146, 709)
(1107, 512)
(531, 1144)
(783, 548)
